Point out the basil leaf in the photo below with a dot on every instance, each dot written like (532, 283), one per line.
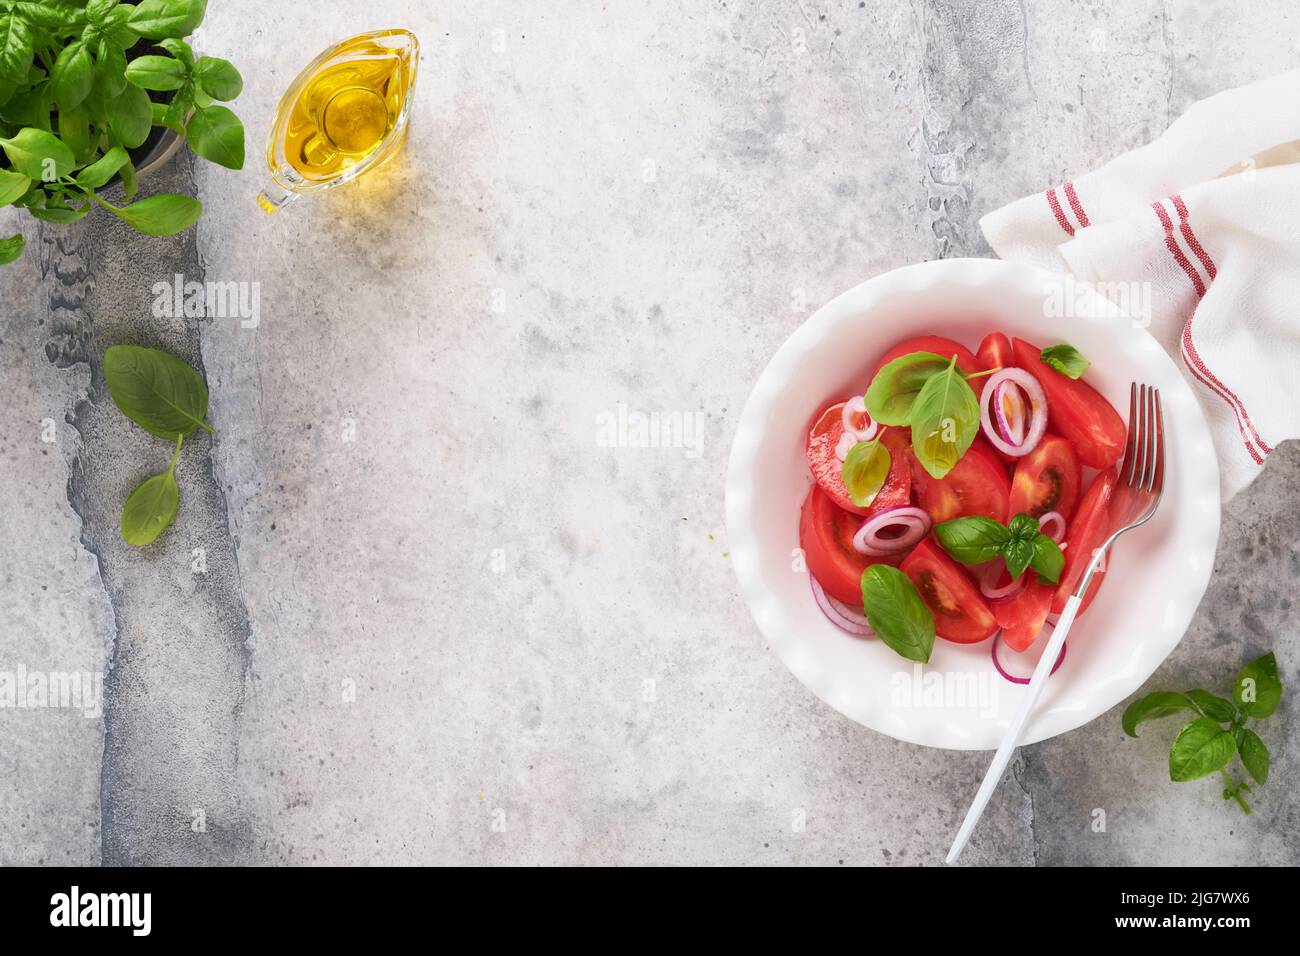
(217, 135)
(945, 420)
(1259, 690)
(16, 48)
(38, 154)
(130, 116)
(102, 170)
(110, 70)
(158, 19)
(1017, 554)
(74, 130)
(181, 50)
(1201, 748)
(893, 391)
(1023, 526)
(157, 73)
(1066, 360)
(162, 215)
(973, 539)
(1047, 561)
(1162, 703)
(1216, 708)
(63, 214)
(218, 77)
(865, 469)
(896, 612)
(150, 508)
(1254, 755)
(72, 75)
(156, 390)
(11, 249)
(13, 186)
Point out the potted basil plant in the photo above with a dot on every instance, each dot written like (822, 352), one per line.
(88, 90)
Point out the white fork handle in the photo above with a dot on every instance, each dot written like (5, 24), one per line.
(1016, 731)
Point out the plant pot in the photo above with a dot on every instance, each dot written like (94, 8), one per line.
(153, 154)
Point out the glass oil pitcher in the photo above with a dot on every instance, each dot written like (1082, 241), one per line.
(345, 114)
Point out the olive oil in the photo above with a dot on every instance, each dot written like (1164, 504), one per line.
(345, 114)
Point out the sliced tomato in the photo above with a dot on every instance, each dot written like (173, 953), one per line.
(937, 344)
(995, 351)
(827, 468)
(960, 614)
(1076, 410)
(1085, 534)
(977, 485)
(1047, 479)
(1023, 615)
(826, 536)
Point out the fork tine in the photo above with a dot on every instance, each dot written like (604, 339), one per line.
(1158, 474)
(1148, 438)
(1131, 443)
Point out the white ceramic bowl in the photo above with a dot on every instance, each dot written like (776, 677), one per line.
(1156, 575)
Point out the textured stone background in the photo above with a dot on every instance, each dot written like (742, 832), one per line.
(598, 205)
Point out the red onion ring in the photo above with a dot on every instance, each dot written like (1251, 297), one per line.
(845, 445)
(997, 664)
(855, 409)
(848, 619)
(1056, 518)
(868, 541)
(988, 581)
(1010, 409)
(1037, 411)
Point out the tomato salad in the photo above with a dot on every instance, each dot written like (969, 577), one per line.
(950, 498)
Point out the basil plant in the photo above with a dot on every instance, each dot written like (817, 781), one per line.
(75, 83)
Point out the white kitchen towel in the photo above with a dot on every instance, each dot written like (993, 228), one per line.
(1201, 230)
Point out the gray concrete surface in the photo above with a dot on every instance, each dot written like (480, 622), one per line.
(413, 609)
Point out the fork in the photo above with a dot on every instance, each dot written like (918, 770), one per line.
(1136, 497)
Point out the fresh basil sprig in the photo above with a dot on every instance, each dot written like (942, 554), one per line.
(1066, 360)
(168, 399)
(896, 612)
(1205, 745)
(865, 469)
(976, 539)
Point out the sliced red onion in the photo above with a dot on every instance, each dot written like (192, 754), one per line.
(1028, 658)
(846, 443)
(857, 420)
(846, 618)
(988, 581)
(1010, 409)
(1053, 518)
(869, 541)
(1037, 411)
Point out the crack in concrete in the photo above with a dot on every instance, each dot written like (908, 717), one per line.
(180, 654)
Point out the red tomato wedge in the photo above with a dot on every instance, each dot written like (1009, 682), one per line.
(827, 468)
(1023, 615)
(960, 614)
(937, 344)
(826, 536)
(977, 485)
(1076, 410)
(995, 351)
(1086, 532)
(1047, 479)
